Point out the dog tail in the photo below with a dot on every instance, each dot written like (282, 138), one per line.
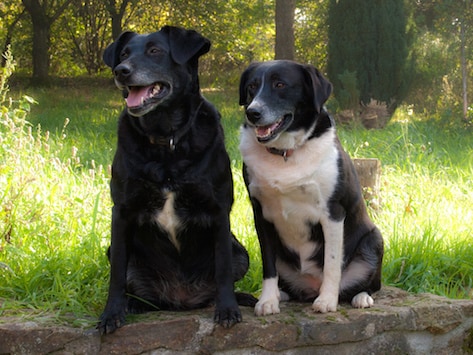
(245, 299)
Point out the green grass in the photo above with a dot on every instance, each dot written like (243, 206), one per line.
(55, 204)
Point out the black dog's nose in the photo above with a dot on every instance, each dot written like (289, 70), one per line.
(122, 71)
(253, 115)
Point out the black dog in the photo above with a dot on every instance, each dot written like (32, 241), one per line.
(316, 238)
(171, 186)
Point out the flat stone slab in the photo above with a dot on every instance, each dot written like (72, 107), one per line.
(399, 323)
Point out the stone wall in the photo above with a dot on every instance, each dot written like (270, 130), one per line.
(400, 323)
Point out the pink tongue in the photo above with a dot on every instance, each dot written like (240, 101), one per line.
(265, 130)
(135, 95)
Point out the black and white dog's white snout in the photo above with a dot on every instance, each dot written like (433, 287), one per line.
(269, 123)
(253, 115)
(258, 114)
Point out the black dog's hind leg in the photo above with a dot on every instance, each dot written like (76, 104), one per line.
(241, 262)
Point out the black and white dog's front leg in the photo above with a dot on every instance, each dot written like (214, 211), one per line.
(268, 302)
(113, 315)
(227, 312)
(327, 301)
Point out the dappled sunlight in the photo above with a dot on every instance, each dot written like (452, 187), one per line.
(56, 206)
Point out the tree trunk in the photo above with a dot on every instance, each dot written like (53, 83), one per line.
(116, 25)
(117, 11)
(464, 71)
(42, 18)
(284, 48)
(41, 42)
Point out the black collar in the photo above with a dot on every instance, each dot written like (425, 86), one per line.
(172, 140)
(320, 127)
(285, 153)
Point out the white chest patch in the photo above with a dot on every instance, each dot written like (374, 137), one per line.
(295, 192)
(168, 220)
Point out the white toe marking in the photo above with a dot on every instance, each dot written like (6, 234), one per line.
(362, 300)
(269, 301)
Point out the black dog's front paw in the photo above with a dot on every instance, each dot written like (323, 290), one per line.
(227, 316)
(111, 320)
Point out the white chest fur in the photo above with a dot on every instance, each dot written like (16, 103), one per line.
(295, 192)
(168, 220)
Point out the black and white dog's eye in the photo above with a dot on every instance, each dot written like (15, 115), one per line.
(252, 87)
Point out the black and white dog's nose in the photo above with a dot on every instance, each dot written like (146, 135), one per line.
(253, 114)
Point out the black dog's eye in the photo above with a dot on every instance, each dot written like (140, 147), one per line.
(279, 85)
(124, 54)
(154, 50)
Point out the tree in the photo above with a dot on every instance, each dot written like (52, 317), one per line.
(369, 39)
(11, 14)
(310, 29)
(284, 47)
(88, 26)
(462, 18)
(117, 12)
(43, 15)
(443, 52)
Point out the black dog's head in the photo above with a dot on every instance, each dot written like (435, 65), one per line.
(155, 68)
(282, 96)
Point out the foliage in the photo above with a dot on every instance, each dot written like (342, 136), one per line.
(436, 84)
(88, 32)
(422, 70)
(371, 42)
(311, 33)
(349, 95)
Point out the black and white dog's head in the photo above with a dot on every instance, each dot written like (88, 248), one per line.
(155, 69)
(282, 100)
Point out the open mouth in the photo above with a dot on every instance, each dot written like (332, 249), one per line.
(270, 132)
(139, 98)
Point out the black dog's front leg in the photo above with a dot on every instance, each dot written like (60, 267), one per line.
(113, 315)
(227, 312)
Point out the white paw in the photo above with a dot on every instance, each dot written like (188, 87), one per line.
(362, 300)
(267, 306)
(324, 305)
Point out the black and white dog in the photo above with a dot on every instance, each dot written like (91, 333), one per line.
(317, 242)
(171, 186)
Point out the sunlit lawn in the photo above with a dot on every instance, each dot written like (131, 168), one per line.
(55, 204)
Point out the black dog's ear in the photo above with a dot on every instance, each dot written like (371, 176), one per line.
(243, 82)
(185, 44)
(112, 52)
(318, 85)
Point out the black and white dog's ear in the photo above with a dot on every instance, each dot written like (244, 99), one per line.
(318, 85)
(111, 55)
(185, 44)
(244, 83)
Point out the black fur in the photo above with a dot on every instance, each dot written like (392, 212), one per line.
(170, 146)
